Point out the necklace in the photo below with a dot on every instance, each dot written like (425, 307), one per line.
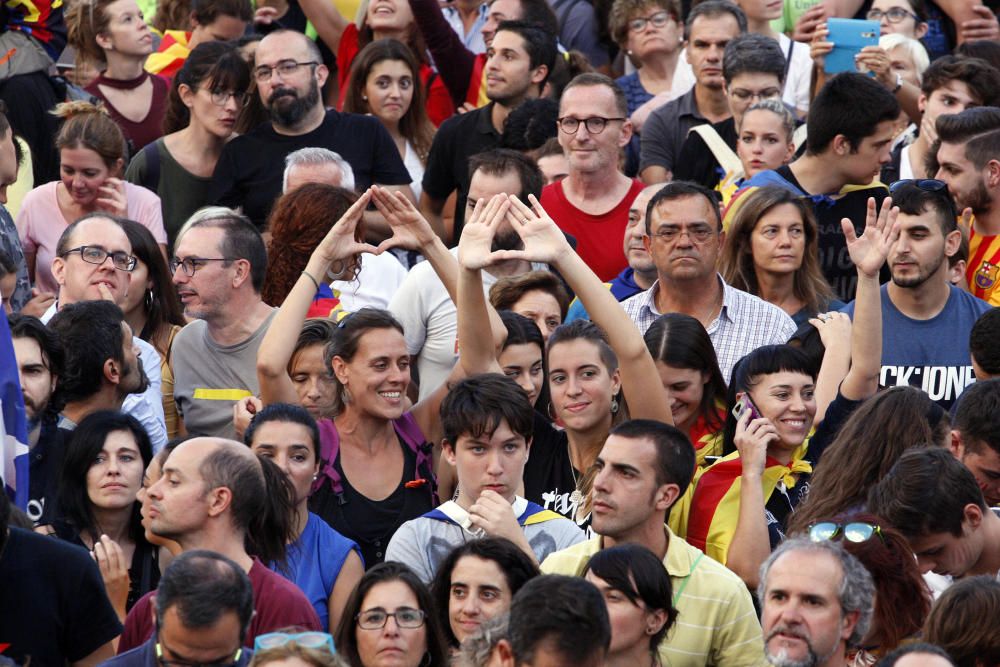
(576, 497)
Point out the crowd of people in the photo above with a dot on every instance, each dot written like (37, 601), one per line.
(423, 333)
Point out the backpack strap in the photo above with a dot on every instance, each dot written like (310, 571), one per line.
(728, 160)
(151, 177)
(799, 137)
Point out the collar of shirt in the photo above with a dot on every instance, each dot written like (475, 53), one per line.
(730, 302)
(687, 105)
(484, 123)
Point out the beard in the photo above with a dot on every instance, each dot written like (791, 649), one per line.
(781, 659)
(287, 109)
(923, 274)
(507, 240)
(979, 199)
(136, 380)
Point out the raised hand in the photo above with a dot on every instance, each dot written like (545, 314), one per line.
(868, 251)
(114, 571)
(340, 243)
(410, 229)
(834, 328)
(543, 240)
(475, 247)
(983, 27)
(806, 26)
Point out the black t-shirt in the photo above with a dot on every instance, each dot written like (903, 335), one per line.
(250, 169)
(549, 475)
(835, 261)
(53, 606)
(45, 461)
(459, 138)
(696, 162)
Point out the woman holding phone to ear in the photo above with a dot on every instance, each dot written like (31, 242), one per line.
(739, 507)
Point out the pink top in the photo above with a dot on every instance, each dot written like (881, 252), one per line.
(40, 223)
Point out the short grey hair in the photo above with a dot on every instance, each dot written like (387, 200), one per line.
(478, 647)
(314, 155)
(857, 590)
(206, 213)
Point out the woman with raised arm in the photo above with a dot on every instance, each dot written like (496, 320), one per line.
(377, 467)
(776, 385)
(591, 374)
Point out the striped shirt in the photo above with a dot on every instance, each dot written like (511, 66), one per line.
(716, 623)
(983, 269)
(744, 323)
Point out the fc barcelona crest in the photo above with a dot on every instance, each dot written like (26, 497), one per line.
(986, 276)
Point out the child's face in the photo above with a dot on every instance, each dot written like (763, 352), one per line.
(494, 461)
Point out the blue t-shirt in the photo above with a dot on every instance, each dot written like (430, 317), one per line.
(932, 355)
(314, 562)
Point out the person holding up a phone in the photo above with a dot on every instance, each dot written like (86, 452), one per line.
(739, 507)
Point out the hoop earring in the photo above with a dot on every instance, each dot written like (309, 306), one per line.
(549, 412)
(426, 660)
(148, 300)
(614, 406)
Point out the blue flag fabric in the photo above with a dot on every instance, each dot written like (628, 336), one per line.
(13, 423)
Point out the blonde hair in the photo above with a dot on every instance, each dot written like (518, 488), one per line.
(87, 125)
(914, 49)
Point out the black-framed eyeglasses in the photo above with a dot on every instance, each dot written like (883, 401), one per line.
(892, 15)
(284, 68)
(594, 124)
(192, 264)
(698, 234)
(375, 619)
(855, 531)
(659, 19)
(925, 184)
(220, 97)
(229, 661)
(95, 254)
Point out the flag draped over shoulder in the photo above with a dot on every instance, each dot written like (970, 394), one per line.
(13, 424)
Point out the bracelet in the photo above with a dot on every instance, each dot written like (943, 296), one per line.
(310, 277)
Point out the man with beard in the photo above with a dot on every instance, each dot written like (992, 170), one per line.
(975, 436)
(968, 156)
(94, 261)
(289, 74)
(422, 305)
(519, 59)
(926, 320)
(101, 368)
(817, 604)
(592, 202)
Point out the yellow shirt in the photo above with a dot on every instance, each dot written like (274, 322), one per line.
(716, 624)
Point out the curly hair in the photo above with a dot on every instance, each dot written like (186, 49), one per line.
(299, 222)
(624, 11)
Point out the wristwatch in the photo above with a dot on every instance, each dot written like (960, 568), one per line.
(899, 83)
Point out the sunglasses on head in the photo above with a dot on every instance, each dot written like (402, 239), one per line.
(855, 531)
(925, 184)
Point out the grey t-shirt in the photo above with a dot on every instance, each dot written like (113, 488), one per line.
(424, 543)
(209, 378)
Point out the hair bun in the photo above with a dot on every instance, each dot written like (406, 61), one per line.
(67, 110)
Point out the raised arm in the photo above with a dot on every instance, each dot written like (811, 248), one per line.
(275, 352)
(868, 252)
(544, 242)
(481, 332)
(453, 61)
(327, 19)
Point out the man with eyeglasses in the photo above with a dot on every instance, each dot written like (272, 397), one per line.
(684, 236)
(926, 320)
(214, 492)
(94, 262)
(218, 269)
(817, 603)
(289, 72)
(591, 204)
(708, 28)
(203, 607)
(753, 68)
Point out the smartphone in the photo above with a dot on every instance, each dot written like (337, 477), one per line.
(743, 404)
(849, 36)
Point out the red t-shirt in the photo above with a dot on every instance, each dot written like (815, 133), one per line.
(277, 603)
(439, 105)
(599, 238)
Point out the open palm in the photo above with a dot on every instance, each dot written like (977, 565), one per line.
(339, 243)
(869, 251)
(542, 238)
(410, 229)
(475, 247)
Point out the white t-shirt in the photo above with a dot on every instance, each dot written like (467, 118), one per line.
(430, 322)
(797, 80)
(416, 168)
(379, 278)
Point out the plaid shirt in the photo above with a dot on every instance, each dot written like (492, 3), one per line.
(745, 323)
